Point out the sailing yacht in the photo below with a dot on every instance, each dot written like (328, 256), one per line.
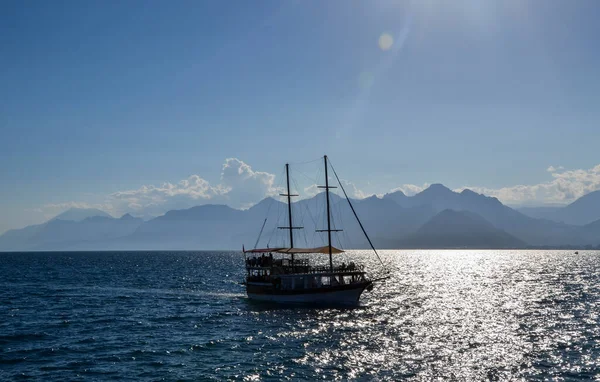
(277, 275)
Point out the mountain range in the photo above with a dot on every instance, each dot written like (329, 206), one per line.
(434, 218)
(584, 210)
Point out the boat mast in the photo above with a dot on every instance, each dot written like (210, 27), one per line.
(328, 215)
(289, 199)
(329, 230)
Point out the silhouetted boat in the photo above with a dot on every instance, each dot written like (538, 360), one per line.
(274, 274)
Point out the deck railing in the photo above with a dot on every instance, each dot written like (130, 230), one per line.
(304, 267)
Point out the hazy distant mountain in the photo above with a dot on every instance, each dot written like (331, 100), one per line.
(19, 239)
(399, 197)
(438, 196)
(427, 219)
(383, 219)
(78, 214)
(592, 230)
(530, 230)
(208, 226)
(91, 232)
(582, 211)
(460, 229)
(545, 212)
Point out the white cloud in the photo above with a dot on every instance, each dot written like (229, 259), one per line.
(351, 189)
(410, 189)
(155, 200)
(555, 169)
(311, 191)
(244, 187)
(565, 187)
(239, 187)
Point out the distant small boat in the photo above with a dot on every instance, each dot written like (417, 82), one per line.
(276, 275)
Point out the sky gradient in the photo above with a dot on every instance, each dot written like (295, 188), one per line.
(145, 106)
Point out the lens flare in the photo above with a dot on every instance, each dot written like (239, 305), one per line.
(385, 41)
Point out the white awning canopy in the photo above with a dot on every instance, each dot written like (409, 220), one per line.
(292, 251)
(324, 250)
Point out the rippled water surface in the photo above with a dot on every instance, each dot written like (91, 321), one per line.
(462, 315)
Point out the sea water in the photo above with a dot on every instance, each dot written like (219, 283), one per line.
(462, 315)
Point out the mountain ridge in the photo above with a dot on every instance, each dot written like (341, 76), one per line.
(460, 229)
(79, 214)
(582, 211)
(389, 219)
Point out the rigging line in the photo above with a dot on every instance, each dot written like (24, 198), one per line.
(303, 213)
(348, 240)
(355, 214)
(265, 222)
(341, 222)
(345, 231)
(278, 207)
(307, 162)
(260, 233)
(337, 209)
(276, 220)
(320, 213)
(306, 176)
(271, 237)
(305, 238)
(307, 212)
(310, 215)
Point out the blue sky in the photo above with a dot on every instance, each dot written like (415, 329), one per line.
(101, 98)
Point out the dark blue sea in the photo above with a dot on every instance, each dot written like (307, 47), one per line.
(451, 315)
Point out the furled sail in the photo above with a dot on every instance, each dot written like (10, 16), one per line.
(324, 250)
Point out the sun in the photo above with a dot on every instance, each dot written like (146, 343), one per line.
(385, 41)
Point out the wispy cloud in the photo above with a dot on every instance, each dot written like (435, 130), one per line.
(565, 187)
(410, 189)
(353, 191)
(240, 187)
(555, 169)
